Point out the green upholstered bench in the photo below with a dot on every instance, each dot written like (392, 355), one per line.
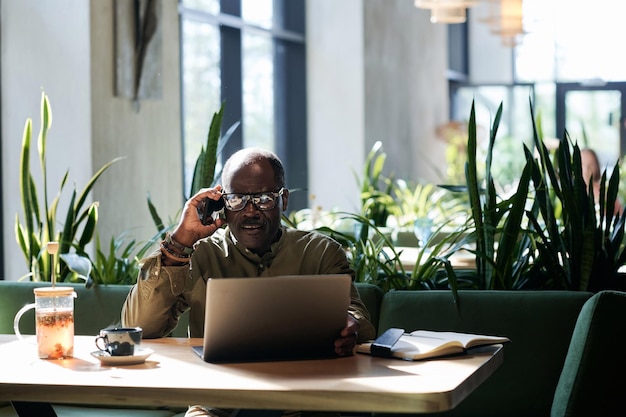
(539, 323)
(372, 297)
(592, 381)
(554, 341)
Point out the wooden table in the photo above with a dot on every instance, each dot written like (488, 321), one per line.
(175, 376)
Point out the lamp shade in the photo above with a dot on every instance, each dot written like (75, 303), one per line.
(506, 19)
(446, 11)
(448, 15)
(436, 4)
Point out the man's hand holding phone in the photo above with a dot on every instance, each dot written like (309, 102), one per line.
(199, 219)
(207, 208)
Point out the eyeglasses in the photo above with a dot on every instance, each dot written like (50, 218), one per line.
(262, 201)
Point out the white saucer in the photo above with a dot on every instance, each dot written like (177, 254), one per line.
(140, 356)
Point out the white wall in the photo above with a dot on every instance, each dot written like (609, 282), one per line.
(491, 62)
(406, 88)
(336, 108)
(67, 48)
(148, 139)
(37, 56)
(376, 71)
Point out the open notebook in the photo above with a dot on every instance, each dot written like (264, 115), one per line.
(274, 318)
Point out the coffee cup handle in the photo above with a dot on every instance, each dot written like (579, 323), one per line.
(102, 339)
(18, 316)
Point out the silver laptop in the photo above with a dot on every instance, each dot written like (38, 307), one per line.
(274, 318)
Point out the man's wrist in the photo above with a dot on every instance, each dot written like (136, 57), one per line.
(165, 261)
(171, 256)
(175, 244)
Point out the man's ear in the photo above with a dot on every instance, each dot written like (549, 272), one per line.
(285, 199)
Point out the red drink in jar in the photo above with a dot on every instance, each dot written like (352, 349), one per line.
(55, 333)
(54, 322)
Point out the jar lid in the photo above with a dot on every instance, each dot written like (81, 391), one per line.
(54, 291)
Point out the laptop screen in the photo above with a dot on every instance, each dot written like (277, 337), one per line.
(274, 318)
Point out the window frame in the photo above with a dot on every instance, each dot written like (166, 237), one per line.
(290, 99)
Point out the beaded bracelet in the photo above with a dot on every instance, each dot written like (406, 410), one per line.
(164, 246)
(184, 249)
(173, 251)
(172, 256)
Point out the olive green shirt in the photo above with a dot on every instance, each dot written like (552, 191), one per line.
(163, 293)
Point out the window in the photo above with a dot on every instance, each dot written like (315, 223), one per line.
(568, 41)
(567, 64)
(249, 55)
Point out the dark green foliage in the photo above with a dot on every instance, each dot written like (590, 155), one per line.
(583, 248)
(204, 171)
(549, 234)
(501, 245)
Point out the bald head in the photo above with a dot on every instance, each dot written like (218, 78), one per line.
(248, 156)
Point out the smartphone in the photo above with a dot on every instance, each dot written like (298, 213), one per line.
(207, 207)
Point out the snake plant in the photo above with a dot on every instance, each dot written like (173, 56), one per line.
(550, 233)
(39, 224)
(583, 248)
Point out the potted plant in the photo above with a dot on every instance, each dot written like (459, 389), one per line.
(501, 247)
(579, 242)
(39, 224)
(554, 240)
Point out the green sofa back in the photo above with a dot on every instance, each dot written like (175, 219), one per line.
(372, 297)
(539, 324)
(592, 382)
(100, 306)
(94, 308)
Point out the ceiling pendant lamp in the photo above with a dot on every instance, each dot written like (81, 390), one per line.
(448, 15)
(506, 20)
(446, 11)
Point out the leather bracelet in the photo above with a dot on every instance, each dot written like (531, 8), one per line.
(184, 249)
(171, 262)
(166, 248)
(168, 254)
(173, 254)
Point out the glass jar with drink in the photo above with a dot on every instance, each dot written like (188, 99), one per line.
(54, 321)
